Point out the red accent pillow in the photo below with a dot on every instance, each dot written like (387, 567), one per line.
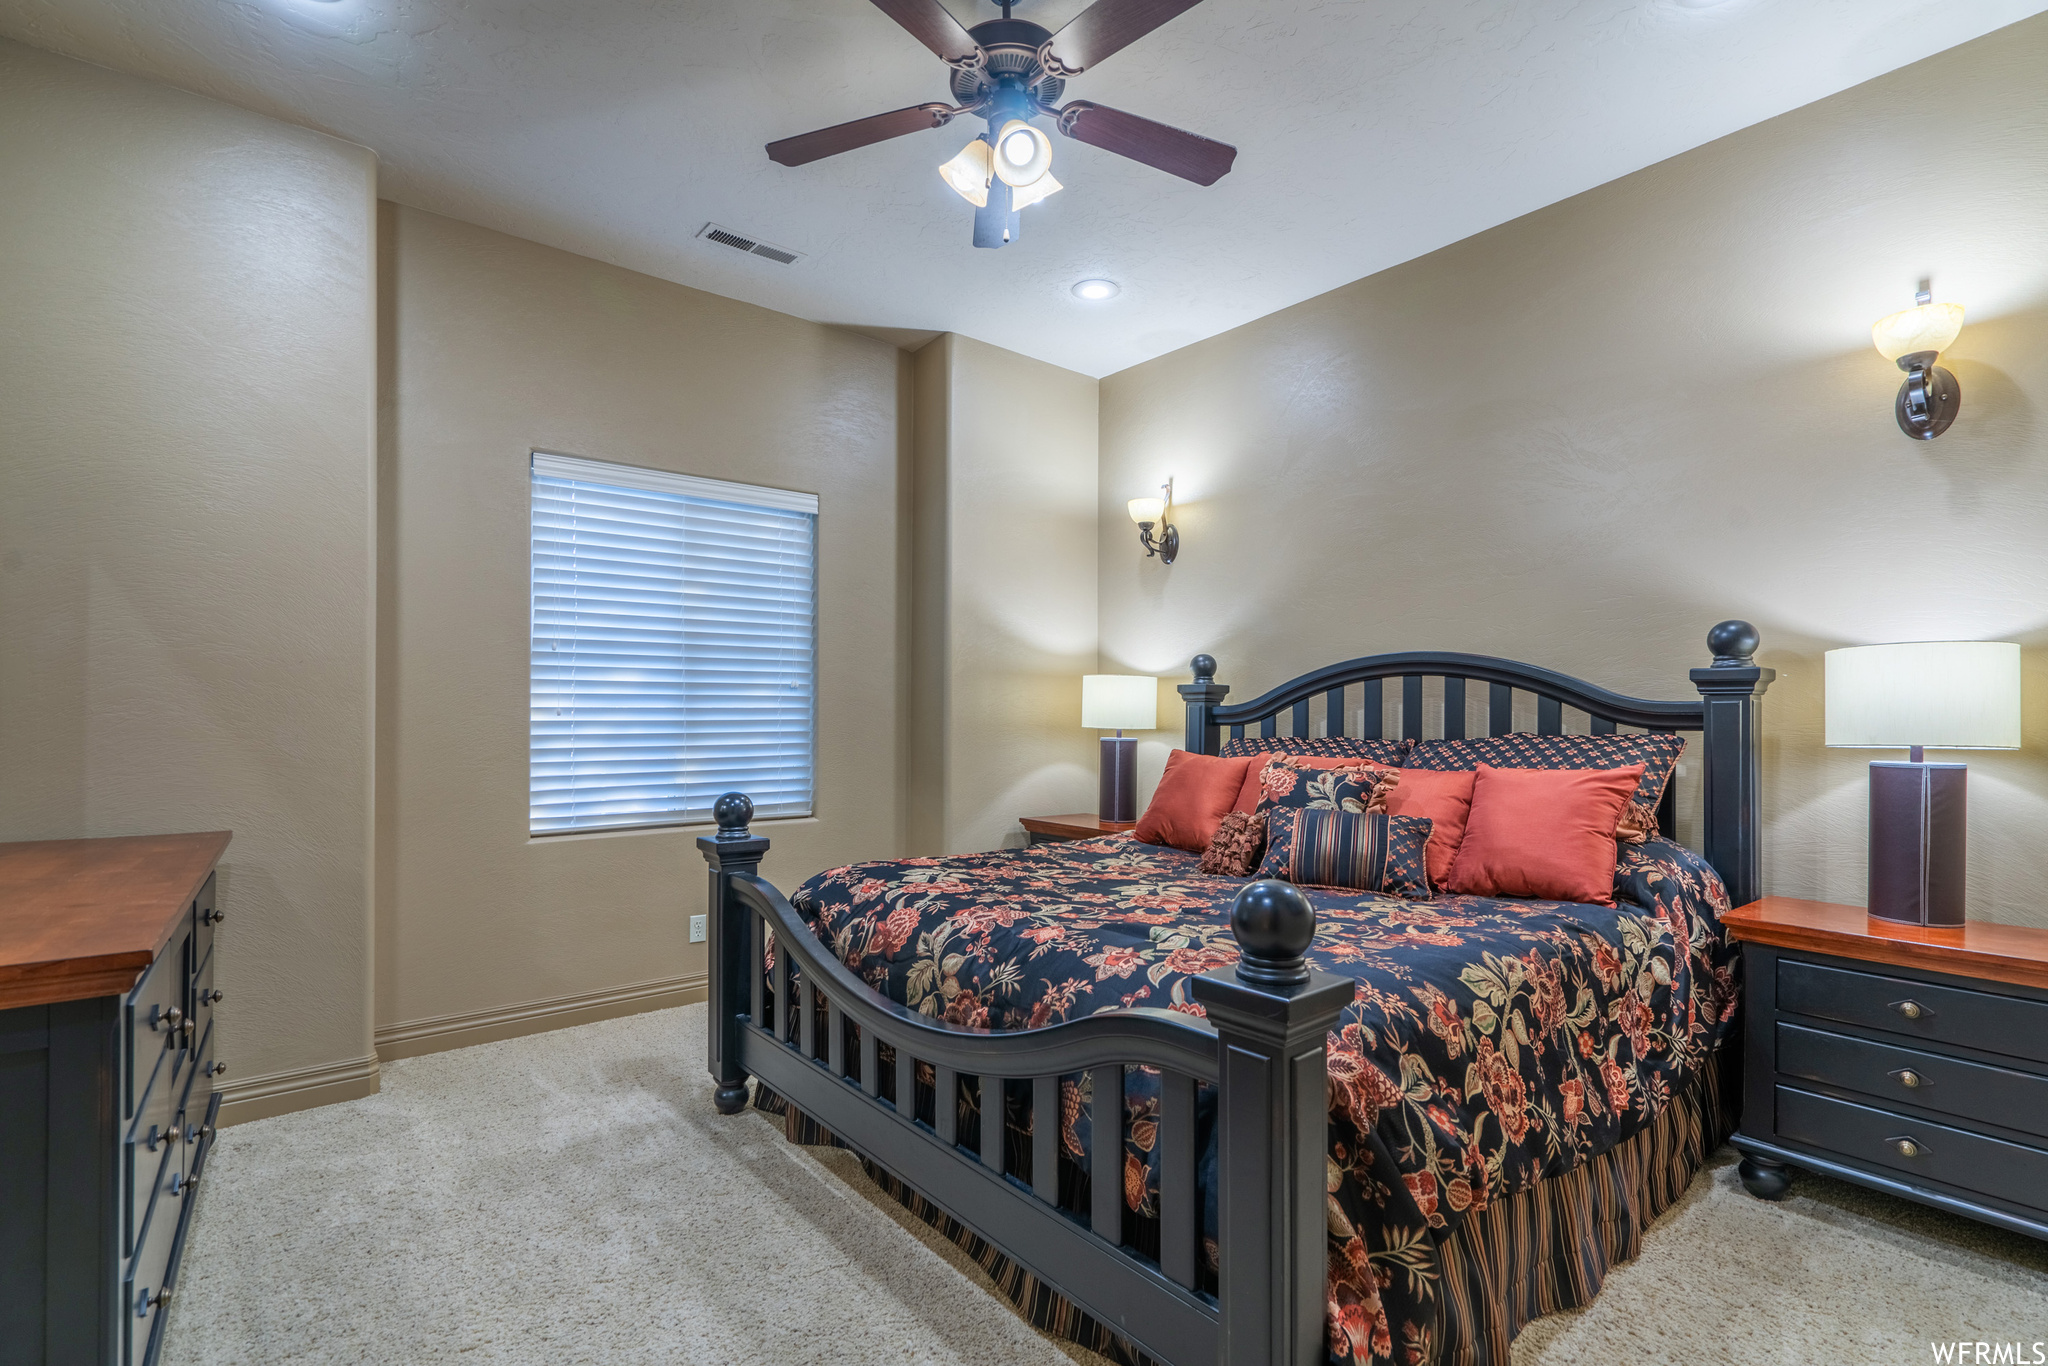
(1191, 799)
(1445, 800)
(1546, 833)
(1248, 795)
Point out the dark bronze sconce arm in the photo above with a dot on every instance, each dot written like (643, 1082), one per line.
(1929, 399)
(1166, 545)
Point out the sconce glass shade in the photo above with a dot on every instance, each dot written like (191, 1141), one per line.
(969, 173)
(1022, 153)
(1949, 694)
(1043, 187)
(1145, 510)
(1119, 702)
(1930, 327)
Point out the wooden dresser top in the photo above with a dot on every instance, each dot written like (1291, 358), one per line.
(1976, 948)
(83, 918)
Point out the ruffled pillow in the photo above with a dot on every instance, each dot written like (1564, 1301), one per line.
(1234, 852)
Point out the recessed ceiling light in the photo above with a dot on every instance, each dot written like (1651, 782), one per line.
(1096, 290)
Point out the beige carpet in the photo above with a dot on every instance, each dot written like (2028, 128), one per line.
(572, 1197)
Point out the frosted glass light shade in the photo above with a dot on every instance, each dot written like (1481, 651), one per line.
(1949, 694)
(1042, 188)
(1930, 327)
(1145, 510)
(969, 173)
(1119, 702)
(1022, 153)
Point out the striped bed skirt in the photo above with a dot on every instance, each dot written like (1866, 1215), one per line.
(1546, 1249)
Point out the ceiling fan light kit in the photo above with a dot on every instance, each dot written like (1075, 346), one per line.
(1009, 72)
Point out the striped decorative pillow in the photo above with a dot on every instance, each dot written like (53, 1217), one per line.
(1365, 851)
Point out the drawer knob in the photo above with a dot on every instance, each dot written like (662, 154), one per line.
(145, 1301)
(166, 1020)
(213, 997)
(211, 918)
(156, 1136)
(1909, 1078)
(1912, 1010)
(1908, 1147)
(217, 1069)
(195, 1132)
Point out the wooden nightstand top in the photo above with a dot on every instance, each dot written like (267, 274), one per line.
(1977, 948)
(1082, 825)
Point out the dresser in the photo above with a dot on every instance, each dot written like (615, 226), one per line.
(107, 1101)
(1909, 1059)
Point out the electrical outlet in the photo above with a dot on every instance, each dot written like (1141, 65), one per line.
(696, 929)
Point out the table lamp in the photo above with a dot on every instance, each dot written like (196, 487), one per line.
(1119, 702)
(1917, 697)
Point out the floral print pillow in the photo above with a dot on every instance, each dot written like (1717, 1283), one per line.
(1287, 782)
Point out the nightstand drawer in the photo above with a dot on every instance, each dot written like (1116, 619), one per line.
(1967, 1090)
(1974, 1019)
(1914, 1147)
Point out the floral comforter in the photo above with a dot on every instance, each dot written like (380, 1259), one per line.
(1492, 1043)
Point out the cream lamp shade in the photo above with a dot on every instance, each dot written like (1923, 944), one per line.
(1145, 510)
(1950, 694)
(1930, 327)
(1119, 702)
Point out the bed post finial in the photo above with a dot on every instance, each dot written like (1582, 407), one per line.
(1273, 1015)
(733, 811)
(1731, 739)
(1274, 925)
(1734, 644)
(731, 851)
(1201, 696)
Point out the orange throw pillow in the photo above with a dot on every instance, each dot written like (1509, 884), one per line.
(1191, 799)
(1248, 795)
(1444, 798)
(1546, 833)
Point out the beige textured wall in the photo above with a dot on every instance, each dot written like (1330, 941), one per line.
(495, 347)
(1585, 436)
(1006, 594)
(186, 545)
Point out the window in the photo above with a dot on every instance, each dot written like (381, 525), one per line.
(674, 646)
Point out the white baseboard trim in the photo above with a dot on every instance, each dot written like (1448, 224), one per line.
(277, 1093)
(414, 1037)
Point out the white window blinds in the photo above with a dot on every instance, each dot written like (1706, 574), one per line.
(674, 646)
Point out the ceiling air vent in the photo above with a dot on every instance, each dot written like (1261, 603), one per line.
(727, 237)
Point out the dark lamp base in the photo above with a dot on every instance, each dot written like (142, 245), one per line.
(1118, 798)
(1918, 842)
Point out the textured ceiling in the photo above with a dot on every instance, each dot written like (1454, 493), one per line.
(1370, 132)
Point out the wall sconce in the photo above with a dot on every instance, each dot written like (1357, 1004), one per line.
(1930, 398)
(1148, 511)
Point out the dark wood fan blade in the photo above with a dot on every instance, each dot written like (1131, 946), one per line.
(1187, 155)
(1107, 27)
(929, 22)
(844, 137)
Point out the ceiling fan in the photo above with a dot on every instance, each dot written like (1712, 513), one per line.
(1011, 71)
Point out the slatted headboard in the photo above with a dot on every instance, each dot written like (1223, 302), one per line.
(1725, 714)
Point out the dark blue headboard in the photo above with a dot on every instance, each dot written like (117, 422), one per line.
(1725, 714)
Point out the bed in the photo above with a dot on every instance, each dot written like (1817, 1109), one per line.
(1348, 1127)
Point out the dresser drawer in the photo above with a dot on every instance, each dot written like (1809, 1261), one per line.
(154, 1134)
(152, 1029)
(205, 915)
(1966, 1090)
(1983, 1020)
(1954, 1157)
(141, 1288)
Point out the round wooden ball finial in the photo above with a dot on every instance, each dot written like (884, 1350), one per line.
(732, 812)
(1274, 923)
(1734, 644)
(1205, 668)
